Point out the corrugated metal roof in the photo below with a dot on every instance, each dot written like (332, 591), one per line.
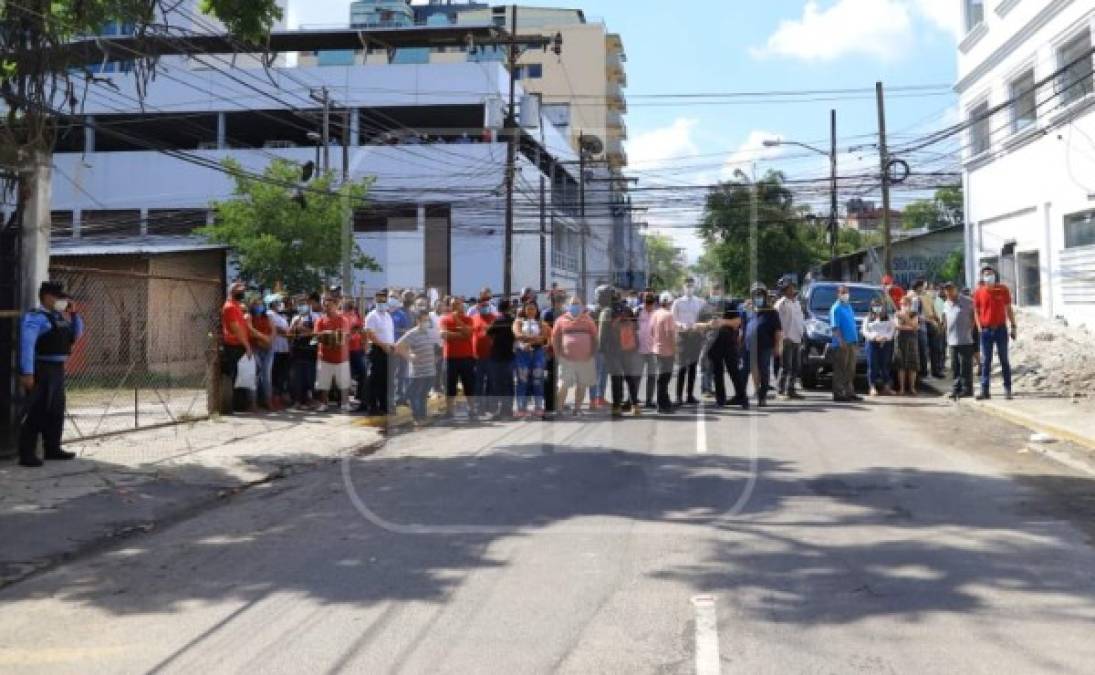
(150, 245)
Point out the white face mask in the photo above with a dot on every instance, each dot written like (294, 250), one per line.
(989, 279)
(845, 298)
(688, 291)
(60, 305)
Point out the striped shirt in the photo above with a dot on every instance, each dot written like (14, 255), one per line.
(420, 343)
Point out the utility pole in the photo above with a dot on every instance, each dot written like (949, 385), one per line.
(582, 216)
(884, 160)
(511, 155)
(833, 226)
(347, 211)
(323, 97)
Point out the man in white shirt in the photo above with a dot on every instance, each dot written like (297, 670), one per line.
(686, 314)
(793, 321)
(381, 332)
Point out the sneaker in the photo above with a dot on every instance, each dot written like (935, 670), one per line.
(31, 462)
(60, 455)
(983, 396)
(347, 408)
(795, 396)
(637, 411)
(1008, 396)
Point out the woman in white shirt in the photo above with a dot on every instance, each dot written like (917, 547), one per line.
(879, 331)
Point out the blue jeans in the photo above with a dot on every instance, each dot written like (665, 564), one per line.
(879, 363)
(599, 391)
(264, 375)
(530, 365)
(998, 338)
(417, 392)
(303, 378)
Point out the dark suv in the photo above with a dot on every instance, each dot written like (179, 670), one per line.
(817, 300)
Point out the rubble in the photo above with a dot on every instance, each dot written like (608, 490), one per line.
(1053, 358)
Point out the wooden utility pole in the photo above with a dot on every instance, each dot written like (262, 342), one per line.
(511, 155)
(582, 216)
(833, 226)
(884, 162)
(347, 211)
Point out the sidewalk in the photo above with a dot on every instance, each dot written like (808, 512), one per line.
(1068, 420)
(147, 479)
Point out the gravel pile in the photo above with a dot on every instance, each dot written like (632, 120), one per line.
(1052, 358)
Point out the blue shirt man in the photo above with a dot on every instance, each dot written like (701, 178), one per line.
(46, 337)
(842, 320)
(845, 346)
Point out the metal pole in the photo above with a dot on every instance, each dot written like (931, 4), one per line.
(582, 216)
(347, 211)
(884, 160)
(833, 227)
(511, 156)
(326, 130)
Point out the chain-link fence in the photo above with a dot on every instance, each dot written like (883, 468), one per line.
(147, 356)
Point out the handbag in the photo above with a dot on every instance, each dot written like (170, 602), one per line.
(246, 374)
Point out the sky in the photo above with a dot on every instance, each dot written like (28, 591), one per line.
(724, 46)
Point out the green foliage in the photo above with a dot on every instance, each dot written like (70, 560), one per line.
(945, 209)
(954, 268)
(276, 240)
(786, 241)
(665, 266)
(247, 19)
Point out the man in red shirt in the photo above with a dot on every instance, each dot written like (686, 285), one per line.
(459, 354)
(482, 319)
(333, 331)
(895, 292)
(994, 311)
(235, 342)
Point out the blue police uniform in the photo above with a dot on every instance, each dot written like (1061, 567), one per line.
(45, 339)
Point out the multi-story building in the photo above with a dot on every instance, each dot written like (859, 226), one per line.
(1026, 86)
(866, 216)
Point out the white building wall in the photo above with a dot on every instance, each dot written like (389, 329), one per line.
(1019, 191)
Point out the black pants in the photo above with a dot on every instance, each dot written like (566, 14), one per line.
(462, 372)
(665, 373)
(281, 375)
(686, 375)
(723, 363)
(378, 395)
(962, 363)
(617, 384)
(648, 366)
(550, 383)
(45, 410)
(230, 359)
(502, 388)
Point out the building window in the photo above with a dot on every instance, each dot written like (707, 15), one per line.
(1030, 279)
(1080, 229)
(975, 14)
(533, 71)
(979, 129)
(1074, 60)
(1024, 102)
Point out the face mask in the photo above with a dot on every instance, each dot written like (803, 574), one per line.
(877, 310)
(382, 307)
(716, 298)
(60, 305)
(759, 302)
(845, 298)
(688, 291)
(575, 310)
(990, 279)
(303, 310)
(394, 304)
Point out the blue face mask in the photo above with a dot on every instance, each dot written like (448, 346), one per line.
(575, 310)
(259, 311)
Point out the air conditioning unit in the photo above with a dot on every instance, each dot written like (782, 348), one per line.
(274, 145)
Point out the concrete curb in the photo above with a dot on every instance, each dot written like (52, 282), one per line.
(1015, 417)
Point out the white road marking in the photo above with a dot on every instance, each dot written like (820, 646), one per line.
(701, 431)
(707, 636)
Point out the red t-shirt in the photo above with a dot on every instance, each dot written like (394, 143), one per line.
(338, 350)
(896, 294)
(232, 314)
(356, 323)
(458, 348)
(991, 303)
(479, 338)
(263, 325)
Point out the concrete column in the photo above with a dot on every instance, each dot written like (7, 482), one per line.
(144, 222)
(34, 254)
(89, 134)
(1048, 260)
(77, 222)
(355, 127)
(222, 131)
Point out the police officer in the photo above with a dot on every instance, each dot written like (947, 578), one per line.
(722, 318)
(46, 338)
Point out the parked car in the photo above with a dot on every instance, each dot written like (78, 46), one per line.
(817, 300)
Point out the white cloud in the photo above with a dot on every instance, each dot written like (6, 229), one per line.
(750, 151)
(946, 14)
(658, 147)
(875, 28)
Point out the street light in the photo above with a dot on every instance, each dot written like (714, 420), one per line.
(777, 142)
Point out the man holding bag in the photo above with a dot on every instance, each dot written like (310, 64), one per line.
(235, 343)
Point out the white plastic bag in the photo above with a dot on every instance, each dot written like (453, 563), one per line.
(246, 373)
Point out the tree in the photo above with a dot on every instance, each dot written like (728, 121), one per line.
(40, 79)
(786, 241)
(945, 209)
(666, 270)
(954, 268)
(275, 238)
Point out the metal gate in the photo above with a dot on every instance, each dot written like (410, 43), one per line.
(148, 354)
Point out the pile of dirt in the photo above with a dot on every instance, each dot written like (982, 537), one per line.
(1052, 358)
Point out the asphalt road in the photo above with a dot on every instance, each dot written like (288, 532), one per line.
(900, 537)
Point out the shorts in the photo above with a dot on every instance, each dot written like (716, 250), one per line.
(337, 374)
(578, 373)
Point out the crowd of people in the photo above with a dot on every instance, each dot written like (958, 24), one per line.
(512, 358)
